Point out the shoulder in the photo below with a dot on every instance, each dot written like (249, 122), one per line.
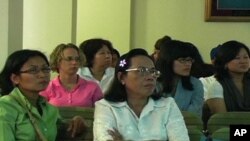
(84, 81)
(195, 80)
(8, 104)
(215, 90)
(207, 80)
(164, 101)
(216, 84)
(105, 103)
(84, 71)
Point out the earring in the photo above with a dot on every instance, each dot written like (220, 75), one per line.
(123, 83)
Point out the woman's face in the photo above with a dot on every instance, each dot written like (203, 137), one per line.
(182, 66)
(70, 61)
(103, 57)
(136, 83)
(240, 64)
(34, 75)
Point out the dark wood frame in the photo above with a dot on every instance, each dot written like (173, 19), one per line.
(212, 14)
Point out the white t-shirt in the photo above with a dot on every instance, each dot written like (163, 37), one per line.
(206, 82)
(215, 90)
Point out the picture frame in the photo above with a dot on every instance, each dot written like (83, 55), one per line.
(238, 12)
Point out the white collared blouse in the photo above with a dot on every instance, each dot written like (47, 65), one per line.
(106, 81)
(159, 120)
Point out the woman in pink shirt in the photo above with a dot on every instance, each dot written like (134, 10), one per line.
(68, 89)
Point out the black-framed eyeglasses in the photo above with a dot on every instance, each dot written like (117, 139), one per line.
(186, 60)
(36, 70)
(71, 58)
(143, 71)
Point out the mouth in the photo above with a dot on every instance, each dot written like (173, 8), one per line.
(45, 82)
(149, 86)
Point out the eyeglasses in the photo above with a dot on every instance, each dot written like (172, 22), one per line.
(36, 70)
(71, 58)
(143, 71)
(186, 60)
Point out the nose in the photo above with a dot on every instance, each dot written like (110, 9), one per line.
(188, 63)
(150, 76)
(108, 55)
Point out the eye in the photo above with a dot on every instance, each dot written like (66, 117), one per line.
(33, 70)
(46, 69)
(142, 69)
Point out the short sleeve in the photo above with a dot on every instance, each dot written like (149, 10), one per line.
(176, 128)
(215, 90)
(103, 121)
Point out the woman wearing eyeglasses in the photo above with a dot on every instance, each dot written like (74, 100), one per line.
(68, 88)
(132, 110)
(175, 63)
(24, 115)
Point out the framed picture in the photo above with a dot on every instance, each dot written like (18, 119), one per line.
(227, 10)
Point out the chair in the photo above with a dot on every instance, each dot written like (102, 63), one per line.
(194, 125)
(221, 134)
(224, 120)
(87, 113)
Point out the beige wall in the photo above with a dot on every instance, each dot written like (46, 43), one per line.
(183, 20)
(3, 31)
(108, 19)
(46, 23)
(127, 23)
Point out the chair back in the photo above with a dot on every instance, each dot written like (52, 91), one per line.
(194, 125)
(87, 113)
(224, 120)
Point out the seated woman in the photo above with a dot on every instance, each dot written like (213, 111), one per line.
(24, 115)
(132, 110)
(175, 64)
(68, 88)
(231, 91)
(98, 58)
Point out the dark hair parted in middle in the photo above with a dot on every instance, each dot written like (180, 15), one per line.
(14, 64)
(171, 51)
(91, 46)
(117, 91)
(226, 53)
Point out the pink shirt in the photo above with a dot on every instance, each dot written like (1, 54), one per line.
(85, 94)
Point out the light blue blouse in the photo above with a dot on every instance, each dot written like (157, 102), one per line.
(187, 100)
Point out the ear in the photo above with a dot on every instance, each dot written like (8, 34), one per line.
(121, 78)
(15, 79)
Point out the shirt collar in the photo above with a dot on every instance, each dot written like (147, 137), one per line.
(18, 94)
(57, 82)
(151, 103)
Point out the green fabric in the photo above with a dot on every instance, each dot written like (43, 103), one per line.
(14, 121)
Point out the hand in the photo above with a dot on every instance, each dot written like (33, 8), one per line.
(115, 135)
(76, 126)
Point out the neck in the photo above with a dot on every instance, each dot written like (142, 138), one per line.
(68, 82)
(68, 79)
(31, 96)
(97, 72)
(137, 104)
(237, 76)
